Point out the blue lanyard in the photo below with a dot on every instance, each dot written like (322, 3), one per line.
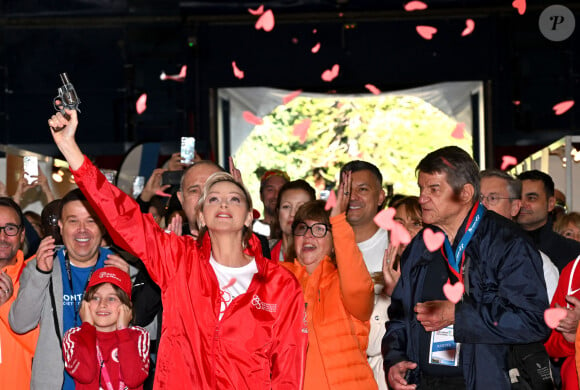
(472, 223)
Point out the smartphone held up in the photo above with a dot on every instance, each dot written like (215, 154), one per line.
(30, 169)
(187, 150)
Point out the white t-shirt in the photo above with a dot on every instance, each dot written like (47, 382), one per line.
(373, 250)
(551, 275)
(233, 281)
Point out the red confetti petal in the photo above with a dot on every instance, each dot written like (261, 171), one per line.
(562, 107)
(266, 21)
(314, 31)
(258, 11)
(294, 40)
(237, 72)
(291, 96)
(252, 119)
(163, 194)
(141, 104)
(433, 241)
(459, 131)
(426, 32)
(400, 235)
(520, 5)
(508, 161)
(415, 6)
(553, 316)
(315, 48)
(453, 292)
(374, 90)
(469, 26)
(301, 129)
(329, 75)
(516, 102)
(331, 201)
(384, 218)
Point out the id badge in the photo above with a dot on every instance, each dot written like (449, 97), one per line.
(443, 349)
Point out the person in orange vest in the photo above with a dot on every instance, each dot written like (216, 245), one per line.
(16, 350)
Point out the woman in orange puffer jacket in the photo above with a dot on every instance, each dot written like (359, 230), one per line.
(339, 295)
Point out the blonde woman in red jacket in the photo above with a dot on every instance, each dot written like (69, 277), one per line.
(339, 295)
(232, 319)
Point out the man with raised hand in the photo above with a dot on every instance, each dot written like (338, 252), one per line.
(53, 284)
(366, 200)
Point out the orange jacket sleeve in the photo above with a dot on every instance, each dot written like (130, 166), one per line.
(356, 285)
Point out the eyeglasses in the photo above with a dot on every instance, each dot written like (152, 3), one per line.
(318, 230)
(10, 229)
(492, 199)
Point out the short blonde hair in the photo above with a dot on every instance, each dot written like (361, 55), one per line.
(214, 179)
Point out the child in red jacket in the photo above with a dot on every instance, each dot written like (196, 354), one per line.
(105, 352)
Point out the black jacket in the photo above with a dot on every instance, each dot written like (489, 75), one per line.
(560, 250)
(505, 304)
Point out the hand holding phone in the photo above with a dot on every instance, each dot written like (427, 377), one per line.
(30, 169)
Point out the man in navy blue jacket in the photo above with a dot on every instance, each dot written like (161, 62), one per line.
(432, 342)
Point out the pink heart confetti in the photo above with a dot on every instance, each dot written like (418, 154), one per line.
(331, 201)
(372, 89)
(329, 75)
(141, 104)
(453, 292)
(426, 32)
(516, 102)
(315, 48)
(291, 96)
(314, 31)
(459, 131)
(469, 27)
(252, 119)
(163, 194)
(237, 72)
(176, 77)
(553, 316)
(562, 107)
(433, 241)
(520, 5)
(266, 21)
(508, 161)
(399, 234)
(384, 218)
(258, 11)
(415, 6)
(301, 129)
(294, 40)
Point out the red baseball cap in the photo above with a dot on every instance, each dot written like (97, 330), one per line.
(113, 275)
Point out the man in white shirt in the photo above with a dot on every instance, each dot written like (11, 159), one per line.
(366, 200)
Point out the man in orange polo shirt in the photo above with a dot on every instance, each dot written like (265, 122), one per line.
(16, 351)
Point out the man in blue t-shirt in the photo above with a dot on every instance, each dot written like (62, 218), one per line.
(53, 284)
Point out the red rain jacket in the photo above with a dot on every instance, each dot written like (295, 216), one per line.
(260, 343)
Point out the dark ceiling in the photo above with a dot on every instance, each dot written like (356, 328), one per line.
(115, 50)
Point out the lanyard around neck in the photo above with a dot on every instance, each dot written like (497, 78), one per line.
(453, 258)
(76, 305)
(105, 372)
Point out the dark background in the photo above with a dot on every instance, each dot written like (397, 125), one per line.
(115, 50)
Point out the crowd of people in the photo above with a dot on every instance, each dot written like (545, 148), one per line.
(200, 291)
